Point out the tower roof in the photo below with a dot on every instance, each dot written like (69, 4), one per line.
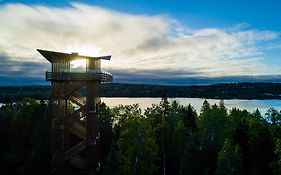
(52, 55)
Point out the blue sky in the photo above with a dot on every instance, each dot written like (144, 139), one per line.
(263, 14)
(164, 42)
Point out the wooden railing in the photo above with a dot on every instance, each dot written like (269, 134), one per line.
(96, 75)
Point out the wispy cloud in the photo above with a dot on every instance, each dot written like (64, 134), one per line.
(156, 45)
(274, 46)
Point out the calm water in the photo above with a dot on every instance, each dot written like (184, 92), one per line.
(250, 105)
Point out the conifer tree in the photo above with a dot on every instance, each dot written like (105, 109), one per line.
(229, 160)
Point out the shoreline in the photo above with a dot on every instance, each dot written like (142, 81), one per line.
(232, 91)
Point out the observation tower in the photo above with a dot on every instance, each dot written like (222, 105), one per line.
(75, 118)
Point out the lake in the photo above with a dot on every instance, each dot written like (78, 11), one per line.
(249, 105)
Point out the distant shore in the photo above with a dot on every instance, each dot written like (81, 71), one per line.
(216, 91)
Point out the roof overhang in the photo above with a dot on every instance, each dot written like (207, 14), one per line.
(52, 55)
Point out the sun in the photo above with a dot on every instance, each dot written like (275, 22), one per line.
(78, 65)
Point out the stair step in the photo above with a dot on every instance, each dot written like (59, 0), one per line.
(78, 161)
(77, 129)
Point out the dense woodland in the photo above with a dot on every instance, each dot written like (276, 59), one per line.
(165, 139)
(216, 91)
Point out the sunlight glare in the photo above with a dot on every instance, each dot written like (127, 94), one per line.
(84, 50)
(79, 64)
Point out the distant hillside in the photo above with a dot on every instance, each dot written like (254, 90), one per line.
(217, 91)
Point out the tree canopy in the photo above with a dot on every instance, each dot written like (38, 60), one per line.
(164, 139)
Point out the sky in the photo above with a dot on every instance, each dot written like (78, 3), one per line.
(179, 42)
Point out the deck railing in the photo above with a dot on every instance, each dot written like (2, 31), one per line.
(93, 75)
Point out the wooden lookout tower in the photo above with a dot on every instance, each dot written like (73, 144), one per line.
(75, 117)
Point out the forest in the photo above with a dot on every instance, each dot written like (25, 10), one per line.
(165, 139)
(214, 91)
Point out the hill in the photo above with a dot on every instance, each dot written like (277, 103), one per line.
(216, 91)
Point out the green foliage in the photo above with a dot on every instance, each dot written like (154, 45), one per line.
(229, 160)
(214, 125)
(166, 139)
(189, 120)
(26, 138)
(276, 164)
(256, 141)
(108, 151)
(137, 146)
(273, 116)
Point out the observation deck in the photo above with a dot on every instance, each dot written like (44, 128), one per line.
(98, 75)
(62, 71)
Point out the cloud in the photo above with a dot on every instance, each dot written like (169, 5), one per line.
(156, 45)
(17, 68)
(274, 46)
